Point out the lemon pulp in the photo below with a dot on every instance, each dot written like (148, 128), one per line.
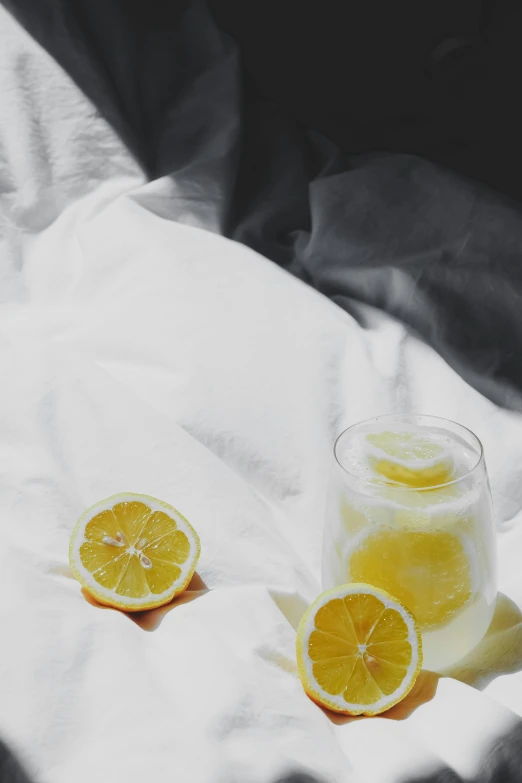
(358, 650)
(428, 571)
(409, 459)
(135, 552)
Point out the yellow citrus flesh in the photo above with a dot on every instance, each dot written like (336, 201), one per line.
(358, 650)
(409, 459)
(133, 552)
(428, 571)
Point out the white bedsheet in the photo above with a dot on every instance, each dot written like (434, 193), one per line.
(144, 354)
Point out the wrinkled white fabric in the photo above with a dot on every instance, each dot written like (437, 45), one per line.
(141, 354)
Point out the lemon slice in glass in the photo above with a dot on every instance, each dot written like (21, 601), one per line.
(428, 571)
(409, 459)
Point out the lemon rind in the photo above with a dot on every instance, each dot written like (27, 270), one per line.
(304, 663)
(109, 597)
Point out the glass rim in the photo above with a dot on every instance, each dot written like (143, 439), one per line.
(401, 487)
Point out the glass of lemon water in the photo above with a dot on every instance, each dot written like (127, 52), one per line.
(409, 510)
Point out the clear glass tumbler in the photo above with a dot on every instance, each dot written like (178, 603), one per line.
(409, 510)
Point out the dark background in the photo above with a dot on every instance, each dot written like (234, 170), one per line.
(438, 79)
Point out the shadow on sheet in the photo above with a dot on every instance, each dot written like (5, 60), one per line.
(152, 618)
(501, 763)
(499, 652)
(299, 777)
(11, 770)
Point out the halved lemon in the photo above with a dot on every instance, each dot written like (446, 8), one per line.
(133, 552)
(358, 650)
(429, 571)
(410, 459)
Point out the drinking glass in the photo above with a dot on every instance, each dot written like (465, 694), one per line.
(409, 511)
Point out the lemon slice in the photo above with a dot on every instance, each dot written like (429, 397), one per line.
(358, 650)
(133, 552)
(429, 571)
(409, 459)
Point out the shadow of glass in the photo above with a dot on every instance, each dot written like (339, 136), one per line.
(151, 619)
(11, 770)
(499, 652)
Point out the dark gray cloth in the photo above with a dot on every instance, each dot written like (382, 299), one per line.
(439, 251)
